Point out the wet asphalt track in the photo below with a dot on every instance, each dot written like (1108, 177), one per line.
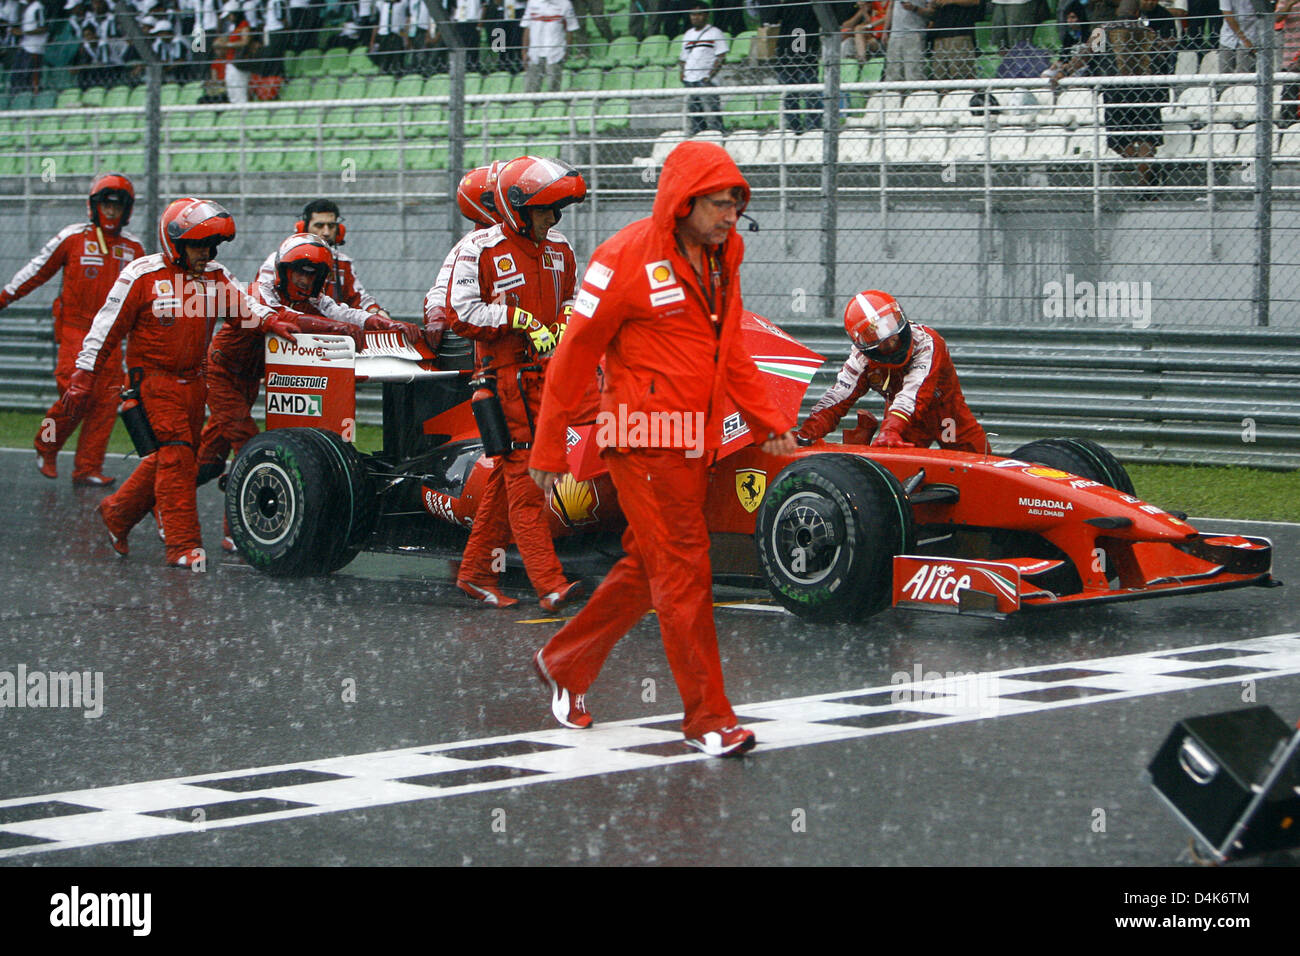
(218, 673)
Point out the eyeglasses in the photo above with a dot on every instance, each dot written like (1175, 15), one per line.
(725, 205)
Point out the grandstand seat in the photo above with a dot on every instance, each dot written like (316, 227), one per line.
(1245, 146)
(203, 125)
(1046, 144)
(428, 157)
(137, 96)
(1214, 142)
(1236, 105)
(45, 100)
(918, 109)
(878, 111)
(1192, 107)
(1288, 147)
(375, 122)
(410, 85)
(623, 52)
(859, 146)
(496, 84)
(324, 88)
(190, 94)
(292, 68)
(778, 147)
(664, 145)
(425, 122)
(335, 62)
(1185, 64)
(311, 63)
(928, 145)
(582, 80)
(437, 85)
(809, 149)
(360, 64)
(1086, 142)
(383, 87)
(741, 44)
(124, 129)
(894, 145)
(1179, 139)
(552, 118)
(473, 83)
(169, 95)
(872, 70)
(516, 120)
(22, 101)
(653, 51)
(1007, 145)
(612, 114)
(648, 78)
(68, 99)
(744, 147)
(1076, 106)
(740, 111)
(965, 143)
(353, 88)
(953, 106)
(1209, 63)
(49, 131)
(115, 97)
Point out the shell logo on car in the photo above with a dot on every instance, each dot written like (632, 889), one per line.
(575, 502)
(1038, 471)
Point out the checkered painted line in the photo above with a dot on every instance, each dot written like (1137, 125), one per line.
(157, 808)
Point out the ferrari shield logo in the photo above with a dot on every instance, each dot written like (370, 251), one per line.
(575, 502)
(750, 485)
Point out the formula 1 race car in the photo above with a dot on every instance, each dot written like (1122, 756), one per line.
(835, 532)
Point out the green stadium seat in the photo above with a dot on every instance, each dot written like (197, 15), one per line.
(12, 164)
(137, 96)
(740, 111)
(49, 132)
(115, 97)
(612, 115)
(654, 50)
(203, 126)
(473, 84)
(183, 162)
(381, 87)
(649, 78)
(517, 82)
(353, 88)
(170, 94)
(311, 63)
(437, 85)
(292, 68)
(45, 100)
(126, 129)
(872, 70)
(740, 46)
(335, 62)
(426, 158)
(582, 80)
(228, 128)
(77, 163)
(127, 161)
(516, 120)
(410, 85)
(324, 88)
(374, 122)
(68, 99)
(496, 84)
(425, 122)
(552, 118)
(191, 93)
(295, 91)
(619, 78)
(624, 51)
(360, 64)
(769, 111)
(22, 101)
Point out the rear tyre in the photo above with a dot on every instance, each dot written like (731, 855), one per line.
(827, 533)
(299, 502)
(1079, 456)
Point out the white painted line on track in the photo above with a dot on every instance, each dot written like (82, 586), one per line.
(105, 815)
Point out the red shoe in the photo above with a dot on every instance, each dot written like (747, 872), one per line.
(228, 545)
(47, 462)
(569, 709)
(557, 599)
(188, 560)
(119, 544)
(94, 480)
(488, 595)
(728, 742)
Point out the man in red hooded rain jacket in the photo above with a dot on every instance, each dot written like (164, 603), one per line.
(661, 301)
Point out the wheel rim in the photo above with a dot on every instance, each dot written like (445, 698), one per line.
(806, 540)
(267, 504)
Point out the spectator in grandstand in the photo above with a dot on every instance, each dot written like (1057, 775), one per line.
(89, 69)
(704, 50)
(596, 10)
(25, 73)
(547, 25)
(673, 18)
(230, 47)
(424, 41)
(1204, 22)
(1161, 21)
(113, 47)
(467, 20)
(1241, 34)
(304, 26)
(952, 39)
(504, 15)
(906, 363)
(388, 37)
(350, 34)
(11, 18)
(90, 255)
(1072, 59)
(798, 50)
(864, 32)
(1013, 21)
(905, 50)
(1134, 126)
(1023, 61)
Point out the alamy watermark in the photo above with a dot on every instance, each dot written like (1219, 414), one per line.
(83, 690)
(638, 429)
(1082, 299)
(960, 690)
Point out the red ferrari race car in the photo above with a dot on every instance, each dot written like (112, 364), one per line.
(835, 532)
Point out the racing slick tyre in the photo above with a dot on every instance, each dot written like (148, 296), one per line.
(299, 502)
(1079, 456)
(827, 533)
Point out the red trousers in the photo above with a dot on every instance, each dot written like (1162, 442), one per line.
(230, 400)
(512, 503)
(666, 567)
(953, 421)
(167, 477)
(97, 421)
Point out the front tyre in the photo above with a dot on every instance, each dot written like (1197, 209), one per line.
(827, 533)
(1079, 456)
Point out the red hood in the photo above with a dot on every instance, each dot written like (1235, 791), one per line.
(692, 169)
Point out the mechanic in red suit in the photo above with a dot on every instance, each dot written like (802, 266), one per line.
(474, 197)
(165, 305)
(91, 255)
(661, 301)
(509, 289)
(236, 357)
(909, 365)
(320, 217)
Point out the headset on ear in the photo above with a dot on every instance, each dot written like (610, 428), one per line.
(301, 226)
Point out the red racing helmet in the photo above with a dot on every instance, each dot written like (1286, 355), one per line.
(475, 196)
(875, 322)
(110, 186)
(537, 183)
(189, 220)
(305, 252)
